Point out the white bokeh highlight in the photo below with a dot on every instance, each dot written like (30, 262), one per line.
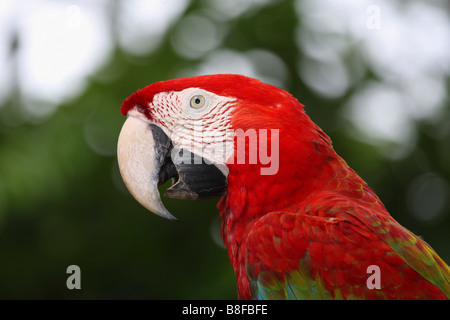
(60, 45)
(406, 45)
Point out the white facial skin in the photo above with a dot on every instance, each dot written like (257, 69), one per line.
(198, 121)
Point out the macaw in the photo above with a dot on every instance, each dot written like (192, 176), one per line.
(297, 221)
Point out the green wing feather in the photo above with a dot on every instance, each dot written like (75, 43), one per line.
(414, 251)
(282, 260)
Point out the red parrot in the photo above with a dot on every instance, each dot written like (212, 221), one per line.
(297, 221)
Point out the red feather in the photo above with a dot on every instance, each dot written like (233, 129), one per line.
(313, 228)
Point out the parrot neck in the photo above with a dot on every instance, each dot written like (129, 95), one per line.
(307, 167)
(306, 163)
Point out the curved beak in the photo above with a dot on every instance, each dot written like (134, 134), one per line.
(145, 155)
(140, 157)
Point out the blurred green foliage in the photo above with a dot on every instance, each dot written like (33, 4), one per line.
(62, 200)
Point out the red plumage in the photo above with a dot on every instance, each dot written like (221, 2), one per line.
(312, 229)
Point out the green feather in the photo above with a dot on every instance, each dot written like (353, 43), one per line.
(415, 252)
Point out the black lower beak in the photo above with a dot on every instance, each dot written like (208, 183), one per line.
(193, 179)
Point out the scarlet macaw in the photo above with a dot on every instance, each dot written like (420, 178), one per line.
(305, 226)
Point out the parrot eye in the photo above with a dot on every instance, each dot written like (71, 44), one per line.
(197, 101)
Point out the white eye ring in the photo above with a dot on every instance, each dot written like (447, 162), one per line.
(197, 101)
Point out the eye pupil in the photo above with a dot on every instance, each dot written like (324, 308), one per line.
(197, 101)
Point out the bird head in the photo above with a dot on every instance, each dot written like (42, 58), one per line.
(198, 131)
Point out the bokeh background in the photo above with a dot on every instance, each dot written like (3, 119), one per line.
(373, 74)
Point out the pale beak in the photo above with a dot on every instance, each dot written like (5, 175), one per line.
(144, 154)
(140, 158)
